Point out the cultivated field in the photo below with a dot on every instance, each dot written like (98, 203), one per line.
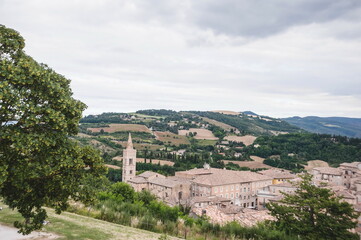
(140, 146)
(246, 140)
(201, 133)
(171, 138)
(115, 127)
(112, 166)
(226, 112)
(83, 135)
(101, 146)
(249, 164)
(257, 159)
(219, 124)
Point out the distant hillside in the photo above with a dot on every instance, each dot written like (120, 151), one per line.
(252, 123)
(350, 127)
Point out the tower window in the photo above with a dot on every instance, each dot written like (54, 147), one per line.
(131, 171)
(130, 161)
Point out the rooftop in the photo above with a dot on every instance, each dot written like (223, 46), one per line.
(329, 170)
(278, 173)
(216, 177)
(148, 174)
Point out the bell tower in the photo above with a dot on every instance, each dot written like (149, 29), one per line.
(129, 161)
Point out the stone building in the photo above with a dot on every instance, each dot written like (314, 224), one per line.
(328, 175)
(129, 161)
(238, 186)
(274, 193)
(278, 175)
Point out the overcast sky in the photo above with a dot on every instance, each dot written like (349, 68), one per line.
(274, 57)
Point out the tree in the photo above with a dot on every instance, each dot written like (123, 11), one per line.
(39, 162)
(124, 190)
(314, 213)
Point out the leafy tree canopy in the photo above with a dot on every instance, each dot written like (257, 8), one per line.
(314, 213)
(39, 163)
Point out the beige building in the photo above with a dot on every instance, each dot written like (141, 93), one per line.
(129, 161)
(350, 171)
(278, 175)
(238, 186)
(274, 193)
(171, 190)
(330, 175)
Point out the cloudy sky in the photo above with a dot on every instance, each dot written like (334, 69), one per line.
(274, 57)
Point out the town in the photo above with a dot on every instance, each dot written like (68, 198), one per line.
(228, 195)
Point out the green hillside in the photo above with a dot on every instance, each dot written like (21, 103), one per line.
(252, 124)
(350, 127)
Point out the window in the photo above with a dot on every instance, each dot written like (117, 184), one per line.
(236, 194)
(244, 189)
(227, 195)
(131, 171)
(226, 188)
(244, 197)
(237, 187)
(232, 195)
(130, 161)
(232, 187)
(221, 189)
(215, 189)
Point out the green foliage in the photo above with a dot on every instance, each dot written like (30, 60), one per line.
(39, 164)
(250, 125)
(104, 118)
(157, 112)
(307, 146)
(114, 175)
(124, 190)
(314, 213)
(146, 197)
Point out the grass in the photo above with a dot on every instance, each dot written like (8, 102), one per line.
(76, 227)
(203, 142)
(147, 116)
(172, 139)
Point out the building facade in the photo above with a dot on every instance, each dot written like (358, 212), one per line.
(129, 161)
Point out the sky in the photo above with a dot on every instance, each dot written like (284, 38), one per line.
(279, 58)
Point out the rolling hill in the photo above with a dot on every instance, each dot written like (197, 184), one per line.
(350, 127)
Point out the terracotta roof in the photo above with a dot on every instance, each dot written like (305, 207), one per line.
(329, 170)
(232, 209)
(180, 179)
(209, 199)
(148, 174)
(218, 177)
(277, 173)
(353, 164)
(345, 194)
(138, 180)
(285, 184)
(164, 182)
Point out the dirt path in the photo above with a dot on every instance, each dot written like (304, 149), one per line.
(11, 233)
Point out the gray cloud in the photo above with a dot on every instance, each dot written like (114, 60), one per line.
(262, 18)
(279, 58)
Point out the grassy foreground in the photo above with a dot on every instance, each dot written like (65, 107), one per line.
(76, 227)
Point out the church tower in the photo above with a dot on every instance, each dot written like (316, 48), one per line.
(129, 161)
